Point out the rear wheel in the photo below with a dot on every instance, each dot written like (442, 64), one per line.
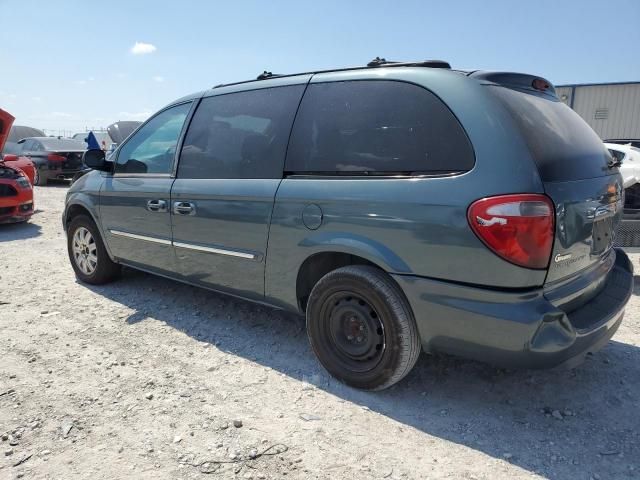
(88, 254)
(361, 327)
(39, 180)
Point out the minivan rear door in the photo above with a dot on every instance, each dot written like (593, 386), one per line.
(578, 174)
(229, 170)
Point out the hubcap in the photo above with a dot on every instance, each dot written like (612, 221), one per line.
(356, 331)
(85, 252)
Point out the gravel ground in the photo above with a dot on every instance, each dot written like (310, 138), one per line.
(148, 378)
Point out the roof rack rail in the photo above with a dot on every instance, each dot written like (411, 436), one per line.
(264, 75)
(383, 62)
(376, 62)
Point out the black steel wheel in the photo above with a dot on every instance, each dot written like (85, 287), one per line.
(361, 327)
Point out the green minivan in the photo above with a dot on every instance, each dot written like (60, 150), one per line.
(400, 207)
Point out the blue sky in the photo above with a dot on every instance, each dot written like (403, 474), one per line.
(67, 64)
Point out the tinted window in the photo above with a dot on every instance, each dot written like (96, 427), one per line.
(376, 127)
(152, 148)
(240, 135)
(563, 146)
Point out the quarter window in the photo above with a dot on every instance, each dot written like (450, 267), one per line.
(240, 135)
(153, 147)
(376, 127)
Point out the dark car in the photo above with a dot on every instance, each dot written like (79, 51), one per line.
(55, 158)
(400, 207)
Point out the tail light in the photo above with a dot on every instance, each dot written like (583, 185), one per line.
(518, 228)
(52, 157)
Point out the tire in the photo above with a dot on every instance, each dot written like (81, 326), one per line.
(39, 180)
(87, 253)
(361, 327)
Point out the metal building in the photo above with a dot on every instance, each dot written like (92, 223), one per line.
(611, 109)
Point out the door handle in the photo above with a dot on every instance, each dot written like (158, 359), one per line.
(184, 208)
(157, 205)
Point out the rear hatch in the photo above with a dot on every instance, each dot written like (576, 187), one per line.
(579, 176)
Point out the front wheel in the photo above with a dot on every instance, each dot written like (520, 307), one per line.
(361, 327)
(88, 255)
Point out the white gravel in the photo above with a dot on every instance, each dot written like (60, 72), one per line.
(146, 377)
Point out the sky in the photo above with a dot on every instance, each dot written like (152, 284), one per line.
(67, 65)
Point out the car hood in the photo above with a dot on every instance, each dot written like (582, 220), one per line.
(6, 120)
(119, 131)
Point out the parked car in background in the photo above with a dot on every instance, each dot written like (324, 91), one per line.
(628, 231)
(16, 194)
(118, 132)
(17, 133)
(54, 157)
(23, 163)
(103, 138)
(330, 194)
(634, 142)
(629, 159)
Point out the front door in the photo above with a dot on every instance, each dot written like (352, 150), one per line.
(135, 201)
(228, 174)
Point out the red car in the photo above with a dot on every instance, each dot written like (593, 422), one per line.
(16, 194)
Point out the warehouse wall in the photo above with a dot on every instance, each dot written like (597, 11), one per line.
(613, 111)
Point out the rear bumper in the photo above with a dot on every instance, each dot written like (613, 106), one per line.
(52, 171)
(524, 329)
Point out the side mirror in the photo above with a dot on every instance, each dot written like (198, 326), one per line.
(10, 157)
(96, 160)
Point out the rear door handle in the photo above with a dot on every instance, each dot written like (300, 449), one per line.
(157, 205)
(184, 208)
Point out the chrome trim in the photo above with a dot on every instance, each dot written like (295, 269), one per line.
(220, 251)
(119, 233)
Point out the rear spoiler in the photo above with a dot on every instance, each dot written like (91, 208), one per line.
(517, 81)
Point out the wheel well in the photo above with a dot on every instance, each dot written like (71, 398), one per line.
(317, 266)
(74, 211)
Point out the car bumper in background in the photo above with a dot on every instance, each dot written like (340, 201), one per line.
(16, 208)
(516, 329)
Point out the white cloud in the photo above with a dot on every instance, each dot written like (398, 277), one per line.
(141, 48)
(61, 114)
(134, 115)
(121, 75)
(91, 79)
(158, 78)
(80, 82)
(36, 99)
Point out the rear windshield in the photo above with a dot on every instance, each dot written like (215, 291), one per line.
(59, 144)
(563, 146)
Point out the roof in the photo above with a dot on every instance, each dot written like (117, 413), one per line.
(373, 64)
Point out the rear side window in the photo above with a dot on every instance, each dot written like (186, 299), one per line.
(376, 127)
(240, 135)
(563, 145)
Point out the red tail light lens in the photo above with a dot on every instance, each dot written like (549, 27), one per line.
(519, 228)
(52, 157)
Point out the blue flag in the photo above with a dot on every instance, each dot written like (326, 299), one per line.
(92, 141)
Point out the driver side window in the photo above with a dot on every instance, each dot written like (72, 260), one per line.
(152, 148)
